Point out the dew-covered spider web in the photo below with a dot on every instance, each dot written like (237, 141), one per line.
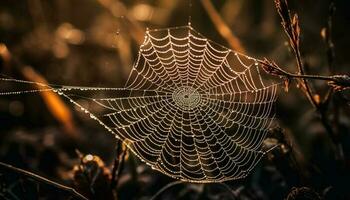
(192, 109)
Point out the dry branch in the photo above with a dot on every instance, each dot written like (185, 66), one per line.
(43, 180)
(292, 29)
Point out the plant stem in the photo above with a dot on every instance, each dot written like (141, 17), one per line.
(308, 91)
(115, 164)
(273, 69)
(222, 27)
(43, 180)
(307, 76)
(118, 164)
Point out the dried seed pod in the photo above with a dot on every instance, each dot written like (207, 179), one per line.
(91, 178)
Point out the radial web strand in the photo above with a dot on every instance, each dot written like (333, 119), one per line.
(192, 109)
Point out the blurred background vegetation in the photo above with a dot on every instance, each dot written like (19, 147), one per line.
(94, 43)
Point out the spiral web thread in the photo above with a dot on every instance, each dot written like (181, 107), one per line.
(191, 108)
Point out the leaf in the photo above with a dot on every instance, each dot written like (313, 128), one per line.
(286, 84)
(296, 29)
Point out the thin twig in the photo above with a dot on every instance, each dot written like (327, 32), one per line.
(43, 180)
(292, 30)
(122, 162)
(118, 164)
(327, 36)
(308, 91)
(222, 28)
(322, 106)
(273, 69)
(338, 82)
(115, 164)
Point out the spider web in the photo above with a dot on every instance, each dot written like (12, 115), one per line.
(191, 108)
